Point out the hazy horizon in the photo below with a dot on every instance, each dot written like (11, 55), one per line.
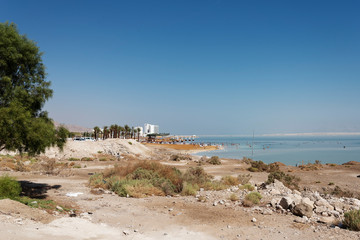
(199, 67)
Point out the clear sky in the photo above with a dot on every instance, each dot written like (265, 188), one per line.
(199, 67)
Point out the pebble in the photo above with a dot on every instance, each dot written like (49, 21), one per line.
(253, 220)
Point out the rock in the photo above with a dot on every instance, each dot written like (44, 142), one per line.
(126, 232)
(221, 202)
(266, 212)
(215, 203)
(320, 209)
(296, 192)
(274, 192)
(275, 202)
(285, 202)
(303, 209)
(253, 220)
(59, 208)
(327, 220)
(303, 219)
(296, 198)
(307, 201)
(355, 202)
(324, 203)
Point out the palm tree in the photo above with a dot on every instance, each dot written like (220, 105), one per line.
(96, 132)
(138, 132)
(135, 131)
(121, 131)
(127, 130)
(105, 134)
(116, 130)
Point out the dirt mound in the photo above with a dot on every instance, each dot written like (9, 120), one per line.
(115, 147)
(16, 209)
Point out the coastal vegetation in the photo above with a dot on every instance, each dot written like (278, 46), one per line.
(252, 199)
(352, 220)
(289, 181)
(214, 160)
(24, 126)
(147, 178)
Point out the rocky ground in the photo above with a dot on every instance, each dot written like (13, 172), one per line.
(100, 214)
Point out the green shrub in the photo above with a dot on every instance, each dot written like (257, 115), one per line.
(189, 189)
(253, 169)
(352, 220)
(130, 143)
(97, 180)
(154, 178)
(87, 159)
(258, 166)
(247, 186)
(9, 187)
(252, 198)
(74, 159)
(288, 180)
(214, 160)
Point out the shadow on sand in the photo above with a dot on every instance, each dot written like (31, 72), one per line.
(36, 190)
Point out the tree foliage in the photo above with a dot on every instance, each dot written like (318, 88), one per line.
(23, 93)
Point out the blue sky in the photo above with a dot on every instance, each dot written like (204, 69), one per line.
(199, 67)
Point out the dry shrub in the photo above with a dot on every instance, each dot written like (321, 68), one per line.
(214, 160)
(230, 180)
(289, 181)
(247, 160)
(179, 157)
(233, 197)
(244, 178)
(248, 187)
(337, 191)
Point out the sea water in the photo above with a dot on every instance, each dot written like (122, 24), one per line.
(290, 150)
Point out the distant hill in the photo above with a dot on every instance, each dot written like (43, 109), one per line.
(74, 128)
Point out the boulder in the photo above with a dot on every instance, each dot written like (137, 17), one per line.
(327, 220)
(324, 203)
(274, 202)
(303, 209)
(286, 202)
(307, 201)
(321, 209)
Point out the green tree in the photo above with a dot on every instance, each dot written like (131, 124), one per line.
(138, 132)
(23, 93)
(127, 130)
(96, 132)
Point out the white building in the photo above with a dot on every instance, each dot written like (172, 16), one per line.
(141, 131)
(149, 129)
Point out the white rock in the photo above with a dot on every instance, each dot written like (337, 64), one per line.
(253, 220)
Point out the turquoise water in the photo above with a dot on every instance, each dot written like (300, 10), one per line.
(289, 150)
